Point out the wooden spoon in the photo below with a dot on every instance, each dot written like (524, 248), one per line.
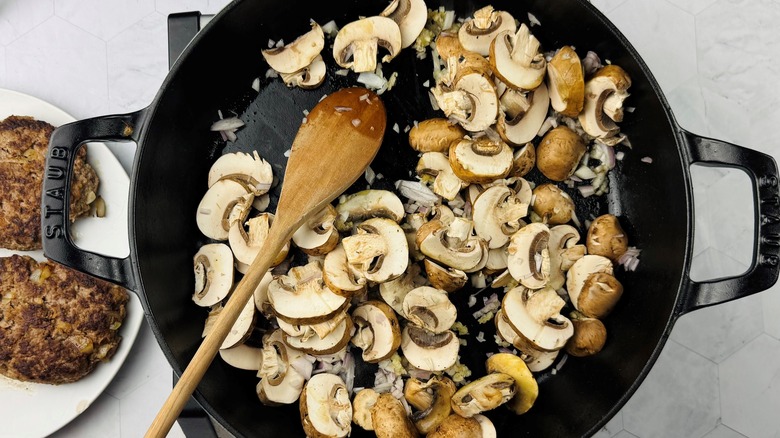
(341, 136)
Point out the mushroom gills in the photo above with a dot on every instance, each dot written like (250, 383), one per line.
(213, 267)
(429, 351)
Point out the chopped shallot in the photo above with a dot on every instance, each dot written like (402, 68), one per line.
(417, 191)
(647, 160)
(533, 20)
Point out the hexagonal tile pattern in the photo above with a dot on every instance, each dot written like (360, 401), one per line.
(703, 177)
(771, 306)
(732, 225)
(750, 389)
(687, 102)
(138, 63)
(78, 58)
(204, 6)
(100, 420)
(2, 66)
(729, 120)
(692, 6)
(718, 331)
(18, 18)
(678, 398)
(144, 361)
(607, 6)
(723, 431)
(671, 52)
(625, 434)
(92, 15)
(141, 406)
(612, 428)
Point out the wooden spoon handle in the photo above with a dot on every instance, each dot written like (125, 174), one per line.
(197, 367)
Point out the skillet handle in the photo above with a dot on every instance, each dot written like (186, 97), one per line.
(763, 272)
(55, 204)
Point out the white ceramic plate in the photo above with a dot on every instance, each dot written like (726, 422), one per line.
(36, 410)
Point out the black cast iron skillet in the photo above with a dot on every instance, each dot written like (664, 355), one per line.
(175, 150)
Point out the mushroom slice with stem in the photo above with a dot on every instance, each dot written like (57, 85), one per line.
(434, 135)
(604, 95)
(393, 292)
(562, 237)
(536, 316)
(333, 342)
(368, 204)
(453, 245)
(478, 33)
(516, 59)
(378, 333)
(526, 388)
(528, 256)
(243, 357)
(432, 399)
(603, 291)
(436, 165)
(299, 53)
(481, 161)
(364, 401)
(389, 418)
(430, 308)
(566, 82)
(245, 168)
(410, 16)
(339, 276)
(456, 426)
(360, 41)
(589, 338)
(309, 77)
(247, 244)
(279, 382)
(472, 102)
(535, 358)
(552, 204)
(216, 206)
(444, 278)
(318, 236)
(378, 251)
(429, 351)
(307, 331)
(607, 238)
(486, 393)
(497, 213)
(522, 128)
(559, 153)
(326, 411)
(301, 297)
(213, 265)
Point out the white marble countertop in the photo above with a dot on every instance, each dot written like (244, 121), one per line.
(717, 61)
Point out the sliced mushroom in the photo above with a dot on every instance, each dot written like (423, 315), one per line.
(279, 382)
(559, 153)
(243, 326)
(456, 426)
(378, 251)
(566, 82)
(301, 297)
(429, 351)
(325, 407)
(311, 76)
(364, 401)
(444, 278)
(357, 43)
(589, 338)
(434, 135)
(339, 276)
(497, 213)
(378, 333)
(306, 331)
(368, 204)
(390, 420)
(478, 33)
(318, 236)
(216, 206)
(445, 184)
(535, 358)
(393, 292)
(247, 244)
(472, 101)
(448, 45)
(243, 357)
(562, 237)
(261, 295)
(430, 308)
(213, 264)
(432, 399)
(516, 59)
(526, 388)
(602, 291)
(333, 342)
(481, 161)
(604, 95)
(453, 245)
(410, 15)
(523, 128)
(486, 426)
(244, 168)
(552, 204)
(536, 316)
(528, 256)
(498, 260)
(524, 160)
(486, 393)
(299, 53)
(607, 238)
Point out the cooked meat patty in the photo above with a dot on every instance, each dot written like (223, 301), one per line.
(56, 324)
(23, 145)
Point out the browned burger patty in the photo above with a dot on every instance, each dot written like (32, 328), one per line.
(23, 145)
(56, 324)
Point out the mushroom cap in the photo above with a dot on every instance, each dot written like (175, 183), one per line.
(333, 342)
(599, 295)
(390, 420)
(516, 59)
(456, 426)
(523, 128)
(301, 297)
(536, 317)
(430, 309)
(524, 160)
(379, 251)
(481, 161)
(216, 205)
(339, 276)
(444, 278)
(243, 357)
(429, 351)
(364, 401)
(326, 411)
(606, 237)
(559, 153)
(433, 239)
(553, 204)
(299, 53)
(566, 82)
(360, 40)
(589, 338)
(378, 333)
(528, 258)
(497, 213)
(486, 426)
(526, 388)
(411, 16)
(434, 135)
(581, 270)
(309, 77)
(244, 168)
(368, 204)
(477, 33)
(486, 393)
(535, 358)
(432, 399)
(306, 331)
(393, 292)
(608, 81)
(213, 264)
(318, 236)
(448, 45)
(446, 184)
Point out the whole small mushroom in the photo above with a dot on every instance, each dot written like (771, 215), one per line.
(552, 204)
(559, 153)
(434, 135)
(607, 238)
(589, 337)
(456, 426)
(389, 419)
